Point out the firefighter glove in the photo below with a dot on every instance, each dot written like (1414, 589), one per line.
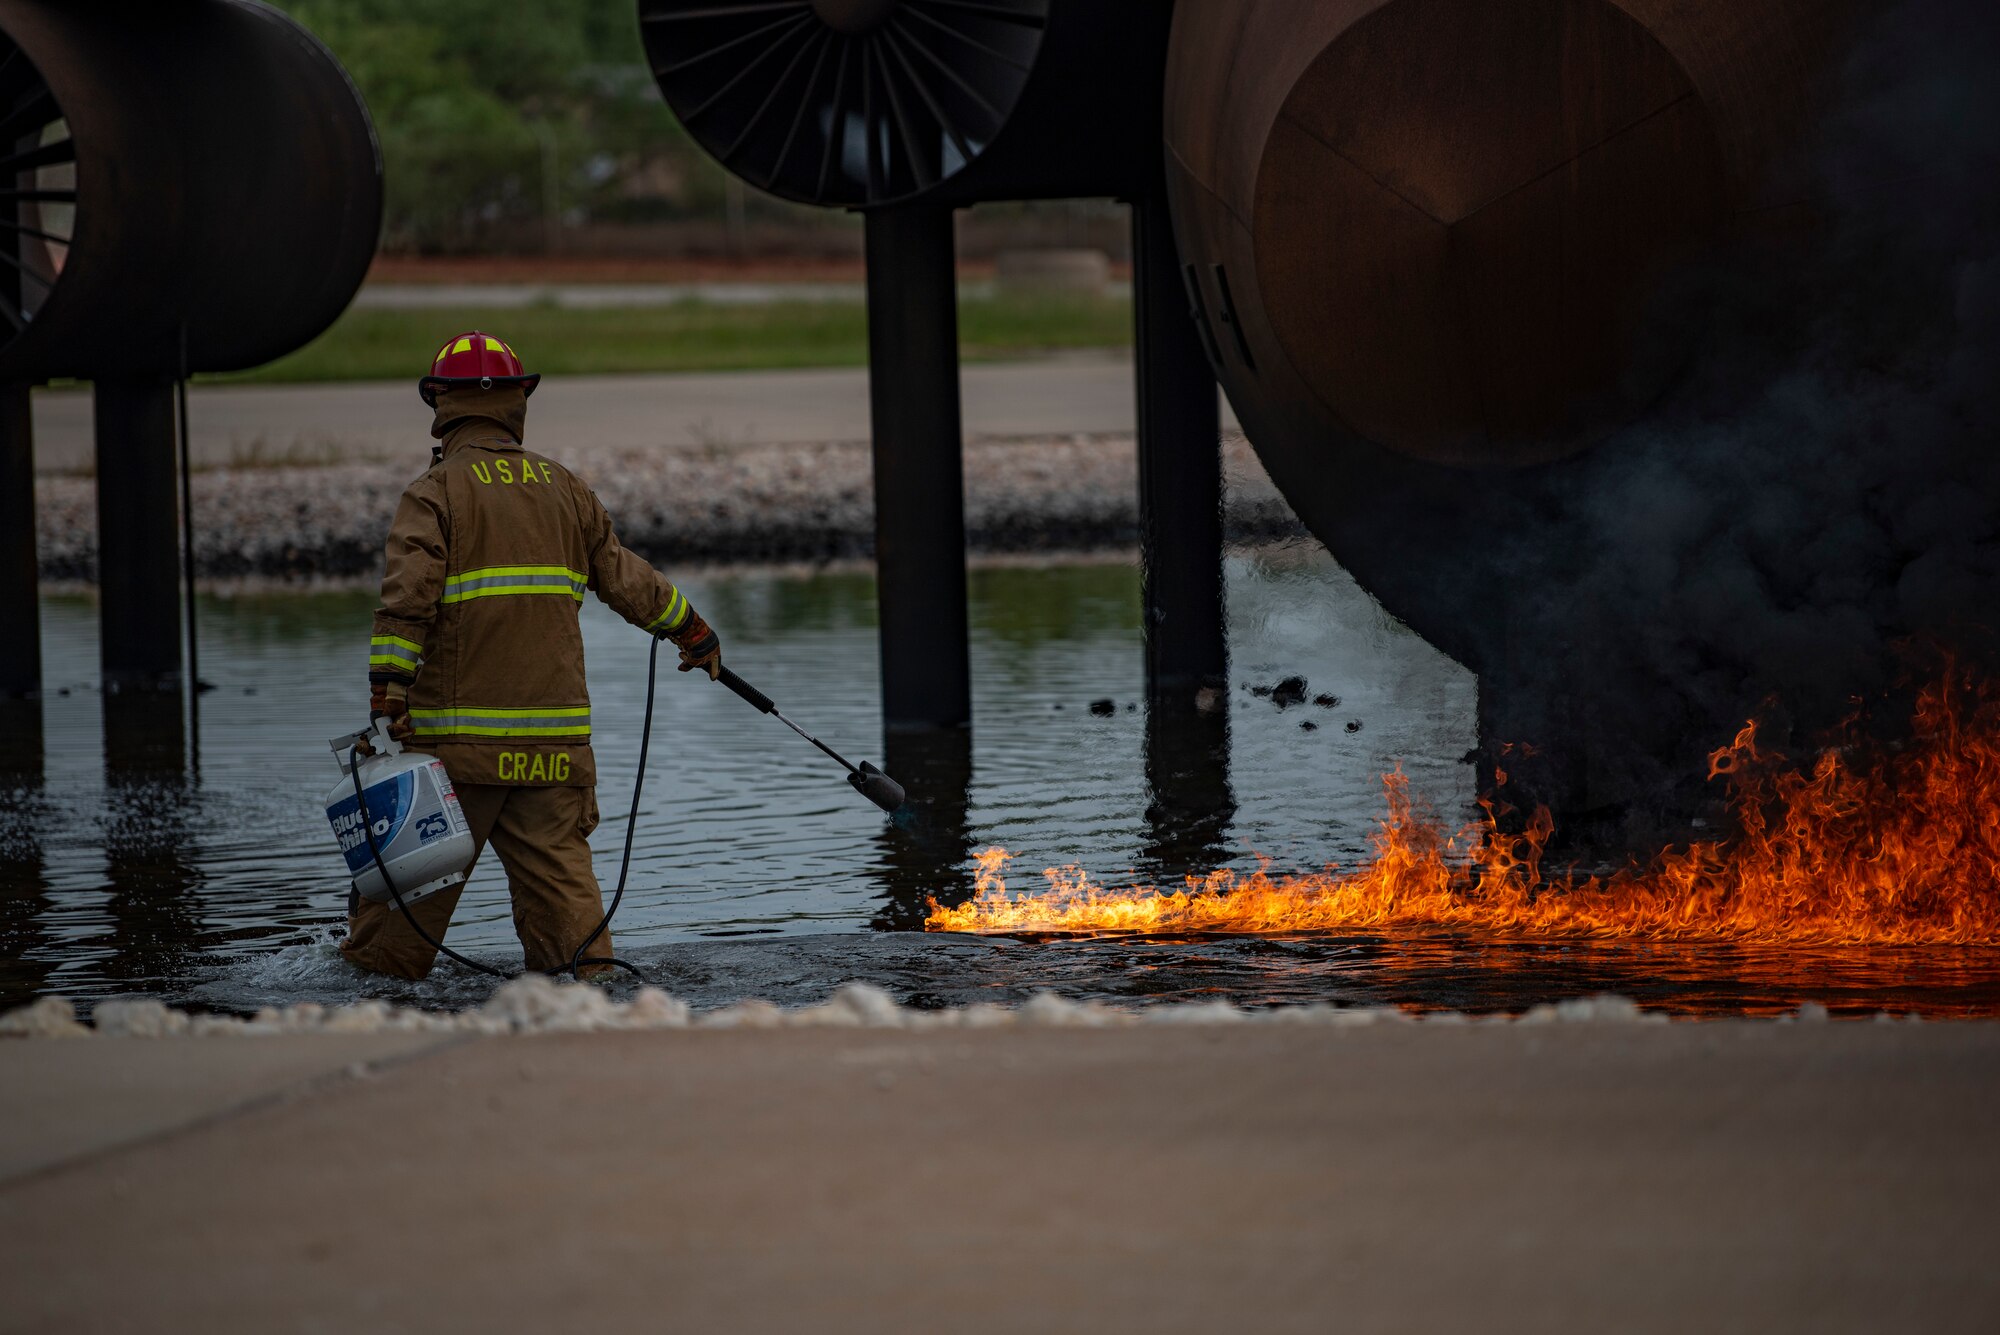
(391, 699)
(700, 647)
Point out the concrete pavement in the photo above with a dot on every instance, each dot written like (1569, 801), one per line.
(1585, 1177)
(64, 1101)
(315, 424)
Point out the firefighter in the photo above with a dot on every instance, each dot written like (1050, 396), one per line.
(477, 657)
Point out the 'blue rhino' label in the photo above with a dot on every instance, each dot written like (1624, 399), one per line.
(388, 804)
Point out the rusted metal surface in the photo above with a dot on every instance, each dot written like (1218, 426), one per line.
(1620, 348)
(203, 164)
(1474, 233)
(1458, 239)
(1461, 214)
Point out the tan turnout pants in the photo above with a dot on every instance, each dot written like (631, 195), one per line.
(543, 838)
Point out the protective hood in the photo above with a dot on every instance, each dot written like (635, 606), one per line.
(504, 406)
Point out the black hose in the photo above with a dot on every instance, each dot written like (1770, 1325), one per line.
(624, 865)
(187, 521)
(631, 826)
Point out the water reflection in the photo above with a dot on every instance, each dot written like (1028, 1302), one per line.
(1467, 971)
(148, 830)
(1190, 804)
(126, 873)
(25, 955)
(923, 853)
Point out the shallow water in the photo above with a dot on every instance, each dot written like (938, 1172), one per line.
(205, 874)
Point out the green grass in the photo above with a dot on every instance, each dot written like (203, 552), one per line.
(686, 336)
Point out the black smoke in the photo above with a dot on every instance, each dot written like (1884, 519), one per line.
(1824, 487)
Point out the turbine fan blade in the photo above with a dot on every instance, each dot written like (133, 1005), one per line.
(753, 80)
(48, 155)
(836, 125)
(746, 71)
(937, 112)
(804, 108)
(725, 11)
(986, 11)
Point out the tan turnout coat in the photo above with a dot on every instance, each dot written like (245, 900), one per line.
(489, 558)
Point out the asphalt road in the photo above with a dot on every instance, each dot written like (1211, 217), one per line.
(276, 424)
(1585, 1177)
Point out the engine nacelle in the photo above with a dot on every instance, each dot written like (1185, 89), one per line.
(195, 186)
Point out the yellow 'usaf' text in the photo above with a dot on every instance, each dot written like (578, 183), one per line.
(532, 470)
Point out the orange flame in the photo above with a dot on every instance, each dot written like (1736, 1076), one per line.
(1902, 849)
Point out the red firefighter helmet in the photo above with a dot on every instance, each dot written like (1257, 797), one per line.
(474, 359)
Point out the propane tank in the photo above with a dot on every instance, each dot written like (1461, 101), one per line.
(421, 831)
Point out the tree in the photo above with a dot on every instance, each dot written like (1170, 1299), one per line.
(472, 101)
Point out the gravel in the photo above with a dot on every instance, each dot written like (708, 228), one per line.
(713, 505)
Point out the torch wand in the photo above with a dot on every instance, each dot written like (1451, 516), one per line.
(868, 781)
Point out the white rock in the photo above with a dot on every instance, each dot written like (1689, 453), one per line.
(986, 1015)
(871, 1006)
(479, 1022)
(1333, 1016)
(218, 1026)
(46, 1017)
(1353, 1017)
(137, 1017)
(585, 1010)
(305, 1018)
(654, 1009)
(364, 1017)
(1811, 1012)
(1603, 1008)
(744, 1015)
(1198, 1012)
(1048, 1010)
(827, 1015)
(536, 1002)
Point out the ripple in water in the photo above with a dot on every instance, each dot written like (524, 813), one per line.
(134, 863)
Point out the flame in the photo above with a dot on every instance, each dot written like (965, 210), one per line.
(1902, 847)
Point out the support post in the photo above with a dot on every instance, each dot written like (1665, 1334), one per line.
(20, 613)
(919, 472)
(925, 856)
(149, 845)
(28, 950)
(1190, 803)
(138, 536)
(1180, 470)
